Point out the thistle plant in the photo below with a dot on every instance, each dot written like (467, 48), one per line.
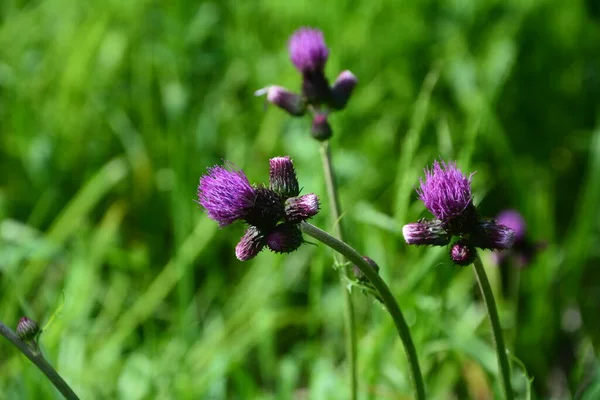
(446, 193)
(309, 53)
(276, 217)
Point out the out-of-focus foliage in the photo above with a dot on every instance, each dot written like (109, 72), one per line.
(111, 110)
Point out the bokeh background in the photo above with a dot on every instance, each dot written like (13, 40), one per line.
(111, 110)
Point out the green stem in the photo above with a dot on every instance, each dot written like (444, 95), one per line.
(38, 359)
(490, 303)
(384, 293)
(349, 318)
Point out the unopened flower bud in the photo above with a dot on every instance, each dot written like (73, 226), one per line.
(298, 209)
(282, 177)
(462, 253)
(291, 102)
(342, 89)
(285, 238)
(321, 130)
(250, 244)
(27, 329)
(490, 235)
(360, 276)
(425, 233)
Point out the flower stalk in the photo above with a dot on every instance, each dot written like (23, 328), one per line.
(492, 311)
(349, 314)
(384, 293)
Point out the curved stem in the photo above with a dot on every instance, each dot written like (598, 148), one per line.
(38, 359)
(490, 303)
(349, 318)
(385, 294)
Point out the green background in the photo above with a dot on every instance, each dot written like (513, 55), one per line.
(110, 111)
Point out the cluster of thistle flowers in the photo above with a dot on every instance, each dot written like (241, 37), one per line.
(446, 193)
(272, 213)
(309, 54)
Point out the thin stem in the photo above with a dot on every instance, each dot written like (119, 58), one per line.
(349, 318)
(384, 293)
(490, 303)
(38, 359)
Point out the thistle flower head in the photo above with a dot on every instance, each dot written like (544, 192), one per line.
(446, 192)
(321, 130)
(513, 220)
(27, 329)
(226, 194)
(285, 238)
(298, 209)
(291, 102)
(425, 233)
(282, 177)
(493, 236)
(250, 244)
(462, 253)
(307, 49)
(342, 89)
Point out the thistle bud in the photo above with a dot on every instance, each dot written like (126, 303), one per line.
(27, 329)
(321, 130)
(285, 238)
(462, 253)
(291, 102)
(298, 209)
(282, 177)
(490, 235)
(250, 244)
(426, 233)
(342, 89)
(360, 276)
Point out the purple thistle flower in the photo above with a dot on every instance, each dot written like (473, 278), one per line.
(226, 195)
(307, 49)
(298, 209)
(291, 102)
(446, 192)
(490, 235)
(462, 253)
(282, 177)
(250, 244)
(342, 89)
(285, 238)
(321, 130)
(425, 233)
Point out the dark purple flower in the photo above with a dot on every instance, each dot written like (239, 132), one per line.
(446, 192)
(321, 130)
(282, 177)
(285, 238)
(462, 253)
(425, 233)
(27, 329)
(342, 89)
(272, 213)
(298, 209)
(226, 195)
(493, 236)
(308, 51)
(291, 102)
(360, 276)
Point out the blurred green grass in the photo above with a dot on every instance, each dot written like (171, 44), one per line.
(110, 112)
